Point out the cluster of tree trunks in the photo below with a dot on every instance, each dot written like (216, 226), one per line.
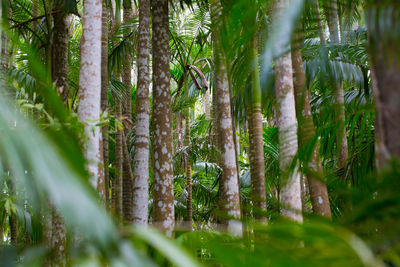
(130, 191)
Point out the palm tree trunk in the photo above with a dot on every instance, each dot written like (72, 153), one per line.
(228, 186)
(118, 163)
(257, 143)
(127, 192)
(104, 98)
(189, 214)
(306, 133)
(290, 195)
(58, 237)
(90, 88)
(385, 69)
(214, 120)
(333, 24)
(127, 113)
(60, 55)
(60, 79)
(163, 208)
(127, 73)
(319, 21)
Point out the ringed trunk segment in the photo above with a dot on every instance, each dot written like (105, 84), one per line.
(290, 195)
(104, 98)
(306, 133)
(90, 88)
(163, 205)
(141, 154)
(127, 75)
(117, 185)
(257, 143)
(332, 18)
(228, 186)
(59, 68)
(127, 182)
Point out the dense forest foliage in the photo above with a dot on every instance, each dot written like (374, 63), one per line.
(200, 133)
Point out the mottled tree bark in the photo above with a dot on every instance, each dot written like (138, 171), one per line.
(127, 185)
(258, 193)
(60, 55)
(60, 79)
(58, 239)
(127, 73)
(163, 207)
(290, 195)
(118, 162)
(189, 212)
(214, 120)
(306, 133)
(90, 88)
(127, 192)
(341, 137)
(104, 98)
(228, 186)
(141, 157)
(385, 68)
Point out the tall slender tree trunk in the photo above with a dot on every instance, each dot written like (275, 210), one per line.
(214, 120)
(104, 97)
(60, 79)
(58, 238)
(257, 144)
(333, 24)
(319, 22)
(60, 55)
(127, 200)
(306, 133)
(163, 207)
(290, 195)
(189, 210)
(385, 69)
(90, 88)
(127, 72)
(228, 185)
(127, 113)
(118, 162)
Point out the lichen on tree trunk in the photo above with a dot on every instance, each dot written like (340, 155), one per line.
(306, 134)
(290, 195)
(141, 156)
(163, 207)
(90, 88)
(228, 186)
(257, 144)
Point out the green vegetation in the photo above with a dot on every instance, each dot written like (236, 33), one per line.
(200, 133)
